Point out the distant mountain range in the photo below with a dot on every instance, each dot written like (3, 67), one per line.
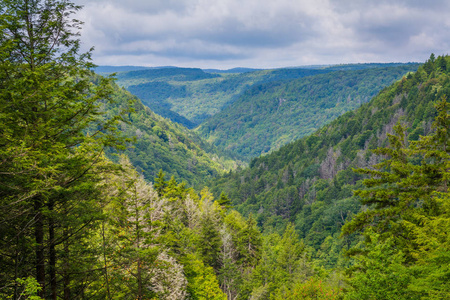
(117, 69)
(272, 114)
(305, 181)
(251, 112)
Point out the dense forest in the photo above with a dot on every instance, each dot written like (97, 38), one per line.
(311, 182)
(158, 144)
(257, 112)
(270, 115)
(192, 96)
(100, 198)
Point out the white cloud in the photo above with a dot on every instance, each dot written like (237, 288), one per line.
(263, 33)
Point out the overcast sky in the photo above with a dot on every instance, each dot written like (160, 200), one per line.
(263, 33)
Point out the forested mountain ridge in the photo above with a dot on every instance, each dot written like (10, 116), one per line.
(75, 225)
(272, 114)
(189, 96)
(310, 181)
(160, 144)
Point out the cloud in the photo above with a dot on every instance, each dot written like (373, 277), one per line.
(266, 33)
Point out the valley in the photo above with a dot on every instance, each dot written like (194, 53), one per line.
(328, 181)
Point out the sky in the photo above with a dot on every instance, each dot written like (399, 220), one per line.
(224, 34)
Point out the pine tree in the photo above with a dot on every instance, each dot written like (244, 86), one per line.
(224, 201)
(135, 213)
(210, 241)
(52, 137)
(407, 217)
(160, 183)
(291, 251)
(249, 244)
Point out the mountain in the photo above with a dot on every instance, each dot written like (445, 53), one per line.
(162, 144)
(310, 181)
(106, 70)
(188, 96)
(193, 94)
(233, 70)
(272, 114)
(103, 70)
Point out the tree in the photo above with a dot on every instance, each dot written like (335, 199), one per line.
(380, 273)
(135, 214)
(403, 185)
(408, 216)
(160, 183)
(202, 282)
(311, 289)
(210, 239)
(249, 244)
(52, 136)
(224, 201)
(291, 252)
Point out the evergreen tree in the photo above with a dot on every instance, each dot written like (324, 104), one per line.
(210, 242)
(224, 201)
(249, 244)
(291, 252)
(408, 195)
(52, 137)
(137, 248)
(160, 183)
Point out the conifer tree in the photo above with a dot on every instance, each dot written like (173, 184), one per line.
(135, 214)
(160, 183)
(52, 137)
(291, 251)
(224, 201)
(249, 244)
(405, 225)
(401, 188)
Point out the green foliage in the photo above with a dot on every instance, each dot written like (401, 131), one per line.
(406, 197)
(160, 183)
(134, 216)
(433, 260)
(312, 289)
(309, 182)
(76, 225)
(380, 273)
(176, 74)
(203, 284)
(190, 96)
(270, 115)
(153, 95)
(224, 201)
(52, 138)
(209, 242)
(30, 288)
(162, 145)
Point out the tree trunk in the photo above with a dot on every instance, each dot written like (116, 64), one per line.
(104, 258)
(66, 276)
(39, 237)
(52, 253)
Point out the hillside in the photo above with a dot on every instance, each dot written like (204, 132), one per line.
(190, 96)
(161, 144)
(272, 114)
(310, 181)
